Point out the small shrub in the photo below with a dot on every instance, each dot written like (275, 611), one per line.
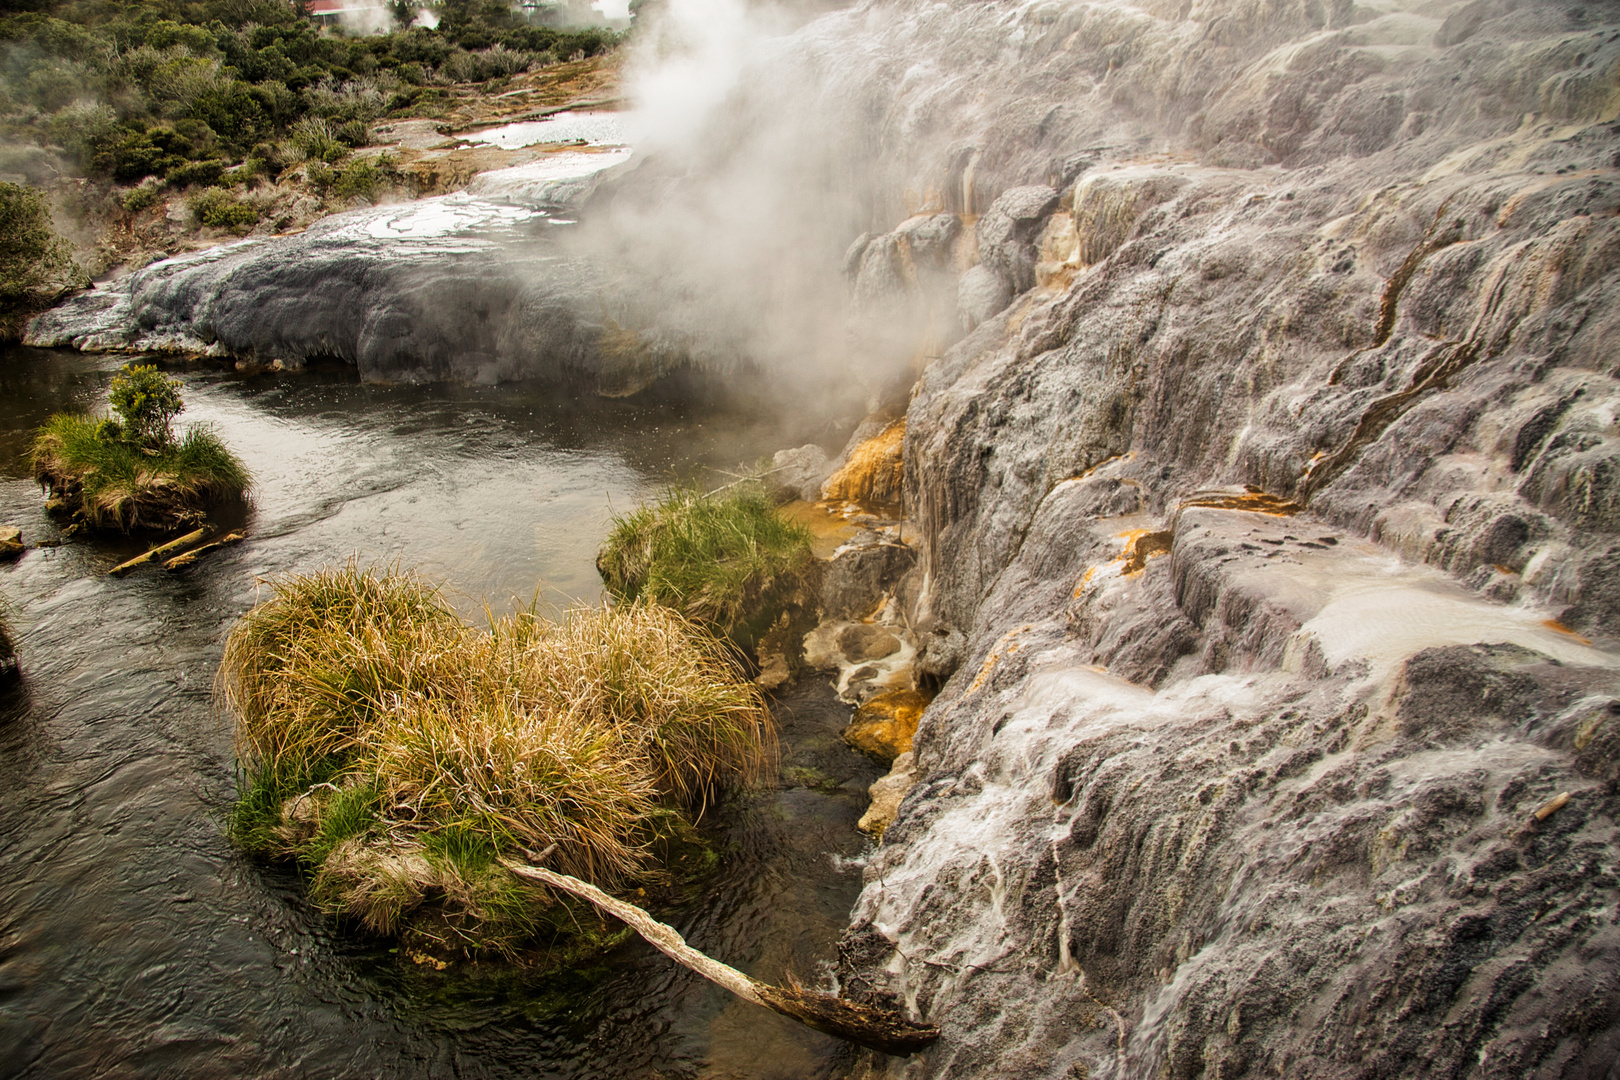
(320, 176)
(206, 173)
(367, 712)
(316, 140)
(147, 401)
(357, 99)
(461, 66)
(82, 127)
(355, 133)
(35, 263)
(731, 562)
(364, 179)
(218, 209)
(143, 197)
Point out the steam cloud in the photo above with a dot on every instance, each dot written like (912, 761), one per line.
(756, 173)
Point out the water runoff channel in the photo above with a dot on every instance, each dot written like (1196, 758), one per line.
(136, 942)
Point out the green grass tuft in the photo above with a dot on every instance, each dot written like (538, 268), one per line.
(731, 562)
(398, 753)
(116, 484)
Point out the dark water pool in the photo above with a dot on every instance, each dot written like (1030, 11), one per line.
(134, 942)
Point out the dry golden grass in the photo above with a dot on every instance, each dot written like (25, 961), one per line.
(399, 753)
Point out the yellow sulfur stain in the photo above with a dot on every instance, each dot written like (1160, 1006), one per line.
(1253, 501)
(1002, 649)
(885, 725)
(875, 471)
(1558, 627)
(1140, 546)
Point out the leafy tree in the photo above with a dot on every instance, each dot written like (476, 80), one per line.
(148, 401)
(35, 263)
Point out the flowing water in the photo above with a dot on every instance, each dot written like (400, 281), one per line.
(135, 942)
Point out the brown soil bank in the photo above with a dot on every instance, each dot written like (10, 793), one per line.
(1280, 793)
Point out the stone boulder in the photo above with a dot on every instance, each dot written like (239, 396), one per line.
(1009, 230)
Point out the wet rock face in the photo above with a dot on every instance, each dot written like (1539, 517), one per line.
(1312, 849)
(1267, 547)
(1008, 230)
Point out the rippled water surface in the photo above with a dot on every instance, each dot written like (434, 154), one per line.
(135, 942)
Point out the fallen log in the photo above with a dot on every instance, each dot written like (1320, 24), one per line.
(877, 1029)
(195, 537)
(185, 559)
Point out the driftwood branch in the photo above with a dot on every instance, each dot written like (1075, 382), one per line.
(161, 551)
(872, 1027)
(185, 559)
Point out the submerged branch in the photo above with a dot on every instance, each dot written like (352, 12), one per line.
(161, 551)
(872, 1027)
(185, 559)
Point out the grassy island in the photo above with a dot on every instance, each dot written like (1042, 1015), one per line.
(133, 473)
(728, 561)
(398, 754)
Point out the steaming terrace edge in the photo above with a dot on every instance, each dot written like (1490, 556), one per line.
(1263, 469)
(398, 754)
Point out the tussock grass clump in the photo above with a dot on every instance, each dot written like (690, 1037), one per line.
(399, 754)
(729, 561)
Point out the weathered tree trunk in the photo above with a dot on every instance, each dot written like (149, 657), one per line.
(872, 1027)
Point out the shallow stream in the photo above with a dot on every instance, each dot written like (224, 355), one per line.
(135, 942)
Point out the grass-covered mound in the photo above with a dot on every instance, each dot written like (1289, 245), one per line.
(398, 753)
(133, 473)
(729, 561)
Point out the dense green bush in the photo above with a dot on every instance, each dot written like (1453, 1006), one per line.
(316, 139)
(364, 179)
(196, 172)
(131, 90)
(142, 197)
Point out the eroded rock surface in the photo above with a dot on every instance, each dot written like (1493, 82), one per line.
(1268, 549)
